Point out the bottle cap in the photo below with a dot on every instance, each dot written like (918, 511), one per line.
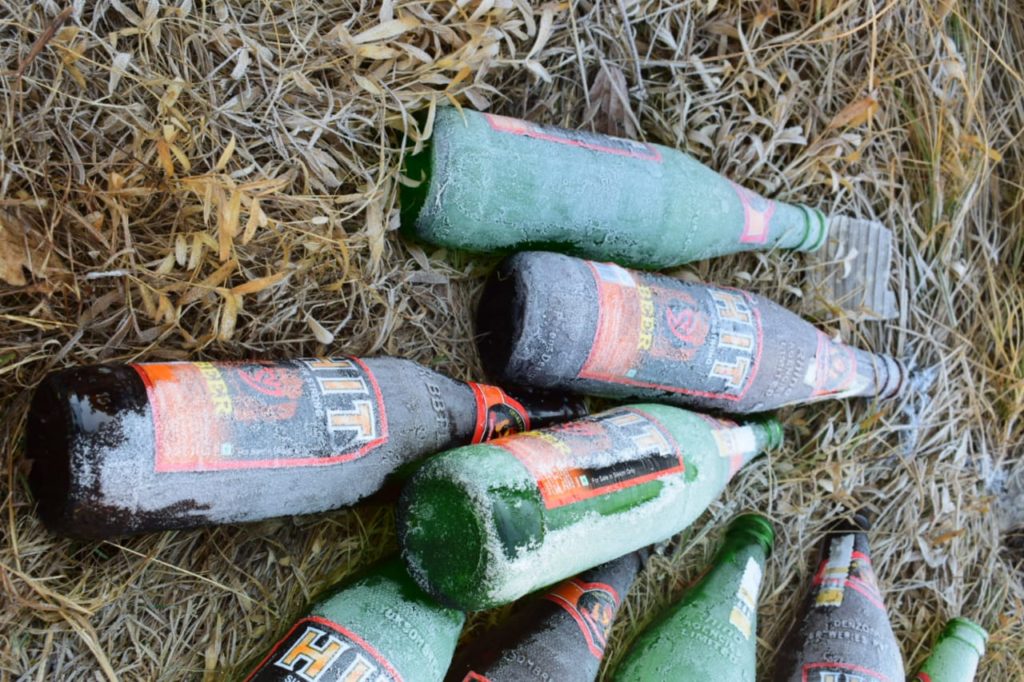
(967, 631)
(753, 527)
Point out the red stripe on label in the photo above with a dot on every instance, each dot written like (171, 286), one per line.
(575, 138)
(879, 677)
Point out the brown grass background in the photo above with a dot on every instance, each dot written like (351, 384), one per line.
(217, 179)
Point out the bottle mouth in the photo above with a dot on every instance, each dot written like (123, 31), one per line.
(967, 631)
(773, 432)
(756, 527)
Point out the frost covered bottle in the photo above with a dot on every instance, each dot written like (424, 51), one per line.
(553, 321)
(487, 182)
(378, 628)
(843, 632)
(131, 448)
(560, 635)
(485, 524)
(955, 656)
(711, 633)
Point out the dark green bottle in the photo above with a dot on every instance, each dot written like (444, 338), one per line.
(560, 635)
(487, 183)
(955, 656)
(378, 628)
(711, 634)
(486, 524)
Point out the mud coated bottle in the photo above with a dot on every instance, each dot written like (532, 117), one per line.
(560, 635)
(378, 628)
(488, 182)
(711, 633)
(843, 632)
(131, 448)
(955, 656)
(553, 321)
(485, 524)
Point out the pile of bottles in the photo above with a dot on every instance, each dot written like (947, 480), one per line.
(516, 490)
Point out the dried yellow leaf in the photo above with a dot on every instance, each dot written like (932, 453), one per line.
(386, 30)
(225, 156)
(855, 114)
(257, 285)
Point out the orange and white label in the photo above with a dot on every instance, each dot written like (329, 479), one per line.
(497, 413)
(592, 606)
(319, 650)
(744, 608)
(594, 456)
(250, 415)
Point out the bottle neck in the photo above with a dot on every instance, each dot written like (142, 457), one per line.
(500, 414)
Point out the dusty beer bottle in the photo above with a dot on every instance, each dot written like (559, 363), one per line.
(378, 628)
(553, 321)
(485, 524)
(711, 633)
(843, 632)
(131, 448)
(560, 635)
(487, 182)
(955, 656)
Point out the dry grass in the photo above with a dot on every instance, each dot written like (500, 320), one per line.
(216, 178)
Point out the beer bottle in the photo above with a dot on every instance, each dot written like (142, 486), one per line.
(553, 321)
(378, 628)
(483, 525)
(711, 633)
(955, 656)
(560, 635)
(131, 448)
(487, 182)
(843, 632)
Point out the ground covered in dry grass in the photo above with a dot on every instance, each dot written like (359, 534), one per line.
(217, 179)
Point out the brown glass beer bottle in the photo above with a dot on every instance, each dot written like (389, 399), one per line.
(556, 322)
(843, 632)
(560, 635)
(131, 448)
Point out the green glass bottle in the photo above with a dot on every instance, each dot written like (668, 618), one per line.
(955, 656)
(483, 525)
(487, 182)
(711, 634)
(378, 628)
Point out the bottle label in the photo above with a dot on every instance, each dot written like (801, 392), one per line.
(736, 443)
(582, 139)
(757, 214)
(840, 672)
(833, 373)
(497, 413)
(657, 333)
(592, 606)
(745, 606)
(594, 456)
(252, 415)
(318, 650)
(844, 568)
